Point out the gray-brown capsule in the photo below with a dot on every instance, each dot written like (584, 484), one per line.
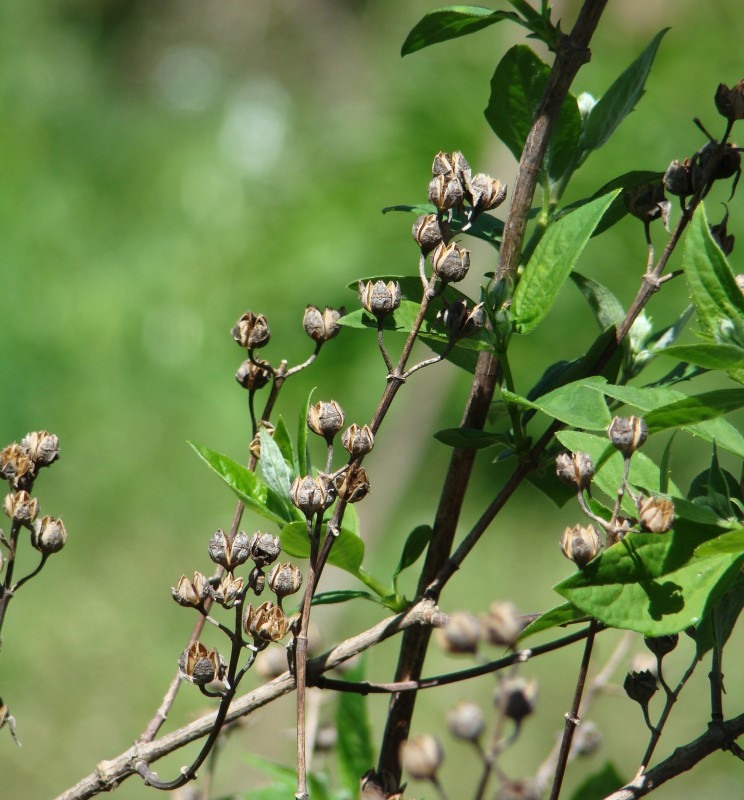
(312, 495)
(461, 634)
(251, 331)
(445, 192)
(379, 298)
(640, 686)
(484, 192)
(42, 447)
(353, 485)
(648, 203)
(517, 697)
(17, 466)
(229, 553)
(450, 262)
(21, 507)
(267, 622)
(575, 469)
(325, 419)
(321, 326)
(730, 102)
(227, 591)
(251, 376)
(683, 178)
(422, 756)
(627, 434)
(284, 579)
(200, 666)
(466, 721)
(581, 544)
(48, 535)
(264, 549)
(661, 646)
(656, 514)
(191, 594)
(358, 441)
(461, 321)
(427, 232)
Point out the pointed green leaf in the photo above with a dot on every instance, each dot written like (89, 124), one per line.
(571, 404)
(247, 485)
(711, 356)
(347, 552)
(719, 621)
(718, 300)
(693, 410)
(342, 596)
(469, 438)
(355, 752)
(655, 584)
(303, 458)
(485, 227)
(284, 443)
(551, 263)
(560, 615)
(275, 472)
(620, 99)
(606, 308)
(451, 23)
(416, 542)
(517, 87)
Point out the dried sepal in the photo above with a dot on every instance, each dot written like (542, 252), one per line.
(21, 507)
(48, 535)
(379, 298)
(461, 634)
(461, 321)
(640, 686)
(421, 757)
(627, 434)
(450, 262)
(325, 419)
(264, 549)
(17, 466)
(321, 326)
(42, 447)
(581, 544)
(575, 469)
(191, 594)
(267, 622)
(353, 485)
(656, 514)
(252, 375)
(201, 666)
(284, 580)
(730, 102)
(427, 232)
(312, 495)
(227, 592)
(466, 721)
(229, 553)
(484, 192)
(251, 331)
(358, 440)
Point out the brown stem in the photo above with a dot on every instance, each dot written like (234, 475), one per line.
(6, 591)
(572, 718)
(572, 53)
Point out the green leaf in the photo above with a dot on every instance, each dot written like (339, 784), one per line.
(718, 300)
(286, 781)
(347, 552)
(517, 86)
(571, 404)
(692, 410)
(416, 542)
(560, 615)
(620, 99)
(342, 596)
(469, 438)
(283, 441)
(719, 621)
(711, 356)
(551, 263)
(451, 23)
(275, 472)
(655, 584)
(355, 751)
(599, 784)
(303, 458)
(606, 308)
(247, 485)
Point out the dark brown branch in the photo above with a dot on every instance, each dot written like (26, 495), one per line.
(717, 737)
(572, 53)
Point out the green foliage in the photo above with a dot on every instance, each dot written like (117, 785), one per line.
(355, 751)
(599, 784)
(657, 584)
(563, 614)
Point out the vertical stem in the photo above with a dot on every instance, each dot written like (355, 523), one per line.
(5, 591)
(572, 718)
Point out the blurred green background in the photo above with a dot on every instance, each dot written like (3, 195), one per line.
(164, 167)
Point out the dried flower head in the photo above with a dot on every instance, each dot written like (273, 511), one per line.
(427, 232)
(284, 579)
(253, 376)
(466, 721)
(627, 434)
(575, 469)
(648, 203)
(501, 625)
(461, 321)
(450, 262)
(251, 331)
(730, 102)
(264, 549)
(484, 192)
(352, 485)
(229, 553)
(640, 686)
(201, 666)
(461, 634)
(42, 447)
(48, 535)
(358, 441)
(312, 495)
(321, 326)
(422, 756)
(267, 622)
(325, 419)
(581, 544)
(21, 507)
(656, 514)
(191, 593)
(517, 697)
(227, 591)
(379, 298)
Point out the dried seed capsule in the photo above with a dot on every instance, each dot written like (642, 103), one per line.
(427, 232)
(587, 739)
(267, 622)
(656, 514)
(284, 579)
(353, 486)
(683, 178)
(461, 634)
(461, 321)
(21, 507)
(450, 262)
(661, 645)
(722, 238)
(201, 666)
(322, 326)
(191, 593)
(460, 167)
(422, 756)
(226, 593)
(628, 434)
(501, 626)
(640, 686)
(516, 697)
(264, 549)
(312, 495)
(581, 544)
(445, 192)
(42, 447)
(485, 193)
(379, 298)
(252, 376)
(48, 535)
(358, 441)
(466, 721)
(17, 466)
(648, 202)
(730, 102)
(575, 469)
(442, 165)
(229, 553)
(325, 419)
(251, 331)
